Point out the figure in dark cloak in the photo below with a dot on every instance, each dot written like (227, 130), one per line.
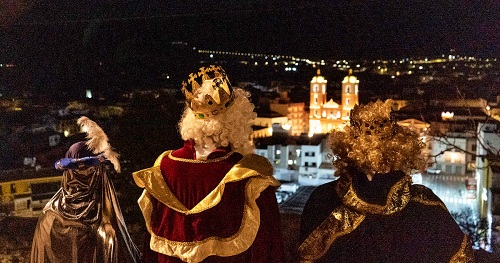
(83, 223)
(373, 212)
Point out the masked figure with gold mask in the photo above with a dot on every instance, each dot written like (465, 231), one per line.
(373, 212)
(212, 200)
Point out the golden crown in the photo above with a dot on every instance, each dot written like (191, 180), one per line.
(373, 119)
(223, 95)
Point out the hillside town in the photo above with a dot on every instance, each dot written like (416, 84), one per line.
(451, 101)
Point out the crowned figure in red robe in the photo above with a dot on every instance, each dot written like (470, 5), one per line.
(373, 212)
(212, 200)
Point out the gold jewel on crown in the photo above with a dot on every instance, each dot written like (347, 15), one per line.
(210, 106)
(374, 119)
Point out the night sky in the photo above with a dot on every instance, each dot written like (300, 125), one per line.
(68, 29)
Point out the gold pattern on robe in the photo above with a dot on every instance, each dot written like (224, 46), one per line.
(465, 253)
(418, 195)
(259, 172)
(347, 217)
(198, 161)
(397, 199)
(341, 221)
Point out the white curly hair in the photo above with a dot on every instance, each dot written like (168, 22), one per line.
(230, 128)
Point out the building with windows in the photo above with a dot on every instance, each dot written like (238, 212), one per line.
(327, 115)
(25, 192)
(451, 154)
(307, 164)
(488, 147)
(296, 115)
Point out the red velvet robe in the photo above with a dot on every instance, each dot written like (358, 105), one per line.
(225, 220)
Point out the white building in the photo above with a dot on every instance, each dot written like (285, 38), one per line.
(450, 155)
(488, 144)
(304, 164)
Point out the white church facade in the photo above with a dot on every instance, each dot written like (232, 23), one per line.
(327, 115)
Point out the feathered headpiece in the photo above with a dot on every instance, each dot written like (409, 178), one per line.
(98, 141)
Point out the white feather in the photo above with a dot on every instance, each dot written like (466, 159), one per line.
(98, 141)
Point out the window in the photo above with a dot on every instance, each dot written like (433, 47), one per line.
(313, 164)
(315, 88)
(306, 164)
(348, 89)
(347, 101)
(12, 188)
(356, 89)
(458, 169)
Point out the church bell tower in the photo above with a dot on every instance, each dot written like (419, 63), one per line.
(349, 94)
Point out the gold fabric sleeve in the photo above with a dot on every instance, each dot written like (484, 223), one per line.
(341, 221)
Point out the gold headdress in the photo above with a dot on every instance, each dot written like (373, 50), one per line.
(373, 119)
(210, 105)
(375, 143)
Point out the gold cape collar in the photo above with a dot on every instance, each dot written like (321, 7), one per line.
(255, 168)
(398, 197)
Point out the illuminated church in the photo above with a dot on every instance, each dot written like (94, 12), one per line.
(327, 115)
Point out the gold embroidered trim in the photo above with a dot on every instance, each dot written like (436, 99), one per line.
(200, 161)
(198, 250)
(398, 197)
(346, 218)
(340, 222)
(158, 160)
(464, 254)
(420, 195)
(424, 201)
(152, 180)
